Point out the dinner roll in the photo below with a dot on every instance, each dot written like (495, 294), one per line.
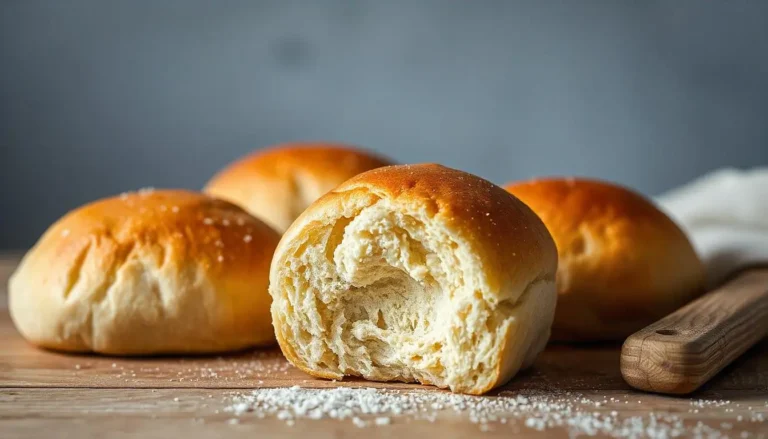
(278, 183)
(415, 273)
(153, 272)
(623, 263)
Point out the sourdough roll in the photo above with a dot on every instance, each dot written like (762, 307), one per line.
(276, 184)
(415, 273)
(623, 263)
(153, 272)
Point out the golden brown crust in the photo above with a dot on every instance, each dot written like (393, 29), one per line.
(478, 210)
(623, 263)
(278, 183)
(145, 273)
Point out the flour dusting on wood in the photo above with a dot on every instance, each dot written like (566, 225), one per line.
(536, 410)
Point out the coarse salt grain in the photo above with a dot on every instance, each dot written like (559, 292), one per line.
(241, 408)
(207, 221)
(283, 415)
(65, 233)
(247, 238)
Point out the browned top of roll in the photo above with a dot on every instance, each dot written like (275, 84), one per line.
(623, 262)
(276, 184)
(148, 272)
(483, 214)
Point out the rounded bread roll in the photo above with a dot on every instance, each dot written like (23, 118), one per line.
(153, 272)
(623, 263)
(278, 183)
(415, 273)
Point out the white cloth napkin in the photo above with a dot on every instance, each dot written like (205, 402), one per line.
(725, 214)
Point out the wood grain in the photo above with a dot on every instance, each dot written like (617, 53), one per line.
(198, 412)
(49, 394)
(23, 365)
(682, 351)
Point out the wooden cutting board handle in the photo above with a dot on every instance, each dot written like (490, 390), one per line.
(684, 350)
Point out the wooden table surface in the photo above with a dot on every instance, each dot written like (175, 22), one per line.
(47, 394)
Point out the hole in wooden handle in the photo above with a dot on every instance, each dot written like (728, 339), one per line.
(667, 332)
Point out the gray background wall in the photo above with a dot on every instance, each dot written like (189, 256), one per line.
(98, 97)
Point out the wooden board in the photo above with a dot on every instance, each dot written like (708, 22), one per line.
(681, 352)
(46, 394)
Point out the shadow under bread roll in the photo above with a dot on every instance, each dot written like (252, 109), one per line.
(415, 273)
(276, 184)
(153, 272)
(623, 263)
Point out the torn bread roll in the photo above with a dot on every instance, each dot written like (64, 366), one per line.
(153, 272)
(276, 184)
(415, 273)
(623, 263)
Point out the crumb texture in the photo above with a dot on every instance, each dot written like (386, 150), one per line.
(388, 288)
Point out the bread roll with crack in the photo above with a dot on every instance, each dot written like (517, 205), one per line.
(153, 272)
(278, 183)
(415, 273)
(623, 263)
